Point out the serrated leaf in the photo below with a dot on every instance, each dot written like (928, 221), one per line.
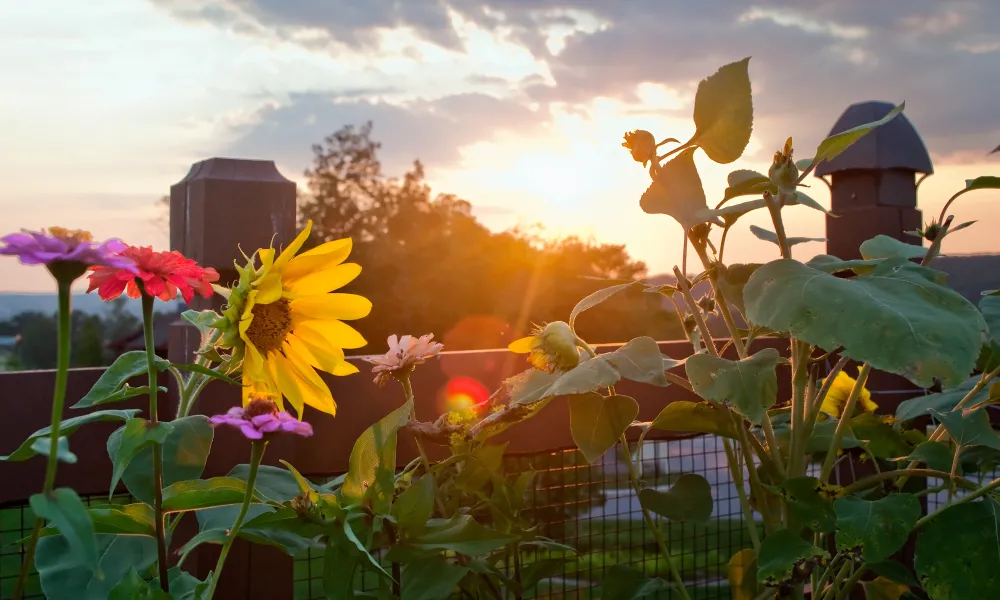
(68, 426)
(957, 554)
(769, 236)
(641, 360)
(934, 332)
(43, 445)
(880, 528)
(125, 367)
(883, 246)
(677, 191)
(780, 552)
(969, 427)
(625, 583)
(749, 385)
(596, 298)
(591, 374)
(837, 143)
(597, 422)
(723, 112)
(373, 461)
(688, 499)
(67, 513)
(694, 417)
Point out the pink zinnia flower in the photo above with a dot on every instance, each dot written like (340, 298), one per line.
(403, 355)
(60, 245)
(162, 274)
(259, 417)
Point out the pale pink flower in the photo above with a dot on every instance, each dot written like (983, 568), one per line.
(403, 355)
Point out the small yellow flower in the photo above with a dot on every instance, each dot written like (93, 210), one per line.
(642, 144)
(283, 322)
(550, 348)
(836, 398)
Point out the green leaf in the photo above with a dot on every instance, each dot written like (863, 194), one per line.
(431, 579)
(135, 435)
(894, 571)
(780, 552)
(414, 506)
(373, 461)
(969, 427)
(183, 585)
(822, 437)
(832, 264)
(936, 455)
(596, 298)
(282, 528)
(694, 417)
(835, 144)
(810, 502)
(353, 538)
(128, 519)
(482, 466)
(984, 182)
(125, 367)
(133, 587)
(42, 446)
(957, 554)
(723, 112)
(273, 483)
(769, 236)
(305, 486)
(748, 183)
(688, 499)
(460, 534)
(883, 246)
(883, 589)
(202, 319)
(677, 191)
(530, 386)
(184, 453)
(879, 437)
(597, 422)
(750, 385)
(26, 450)
(731, 281)
(124, 393)
(802, 198)
(589, 375)
(879, 528)
(742, 571)
(641, 360)
(198, 494)
(67, 513)
(339, 566)
(941, 401)
(63, 577)
(625, 583)
(203, 370)
(934, 332)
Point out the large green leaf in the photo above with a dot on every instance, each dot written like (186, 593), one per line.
(640, 360)
(109, 386)
(282, 528)
(460, 534)
(531, 386)
(133, 587)
(43, 445)
(677, 191)
(128, 519)
(780, 553)
(957, 554)
(921, 406)
(832, 264)
(433, 578)
(184, 452)
(198, 494)
(597, 422)
(837, 143)
(414, 506)
(26, 450)
(969, 427)
(625, 583)
(591, 374)
(596, 298)
(894, 571)
(694, 417)
(731, 281)
(810, 502)
(879, 437)
(742, 571)
(899, 318)
(879, 527)
(135, 435)
(64, 511)
(339, 566)
(936, 455)
(64, 578)
(744, 182)
(688, 499)
(723, 112)
(373, 461)
(750, 385)
(883, 246)
(273, 483)
(881, 588)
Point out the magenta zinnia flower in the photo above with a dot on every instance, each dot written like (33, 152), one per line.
(403, 355)
(261, 416)
(69, 247)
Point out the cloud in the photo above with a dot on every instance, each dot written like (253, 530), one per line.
(433, 131)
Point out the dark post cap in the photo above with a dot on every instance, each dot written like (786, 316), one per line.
(895, 145)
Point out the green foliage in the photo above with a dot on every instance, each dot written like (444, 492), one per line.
(883, 589)
(780, 553)
(957, 555)
(431, 578)
(832, 146)
(742, 573)
(460, 534)
(413, 509)
(770, 236)
(111, 385)
(810, 502)
(695, 417)
(135, 435)
(688, 499)
(723, 113)
(198, 494)
(67, 513)
(933, 334)
(133, 587)
(879, 528)
(624, 583)
(677, 191)
(921, 406)
(883, 246)
(750, 385)
(373, 461)
(43, 445)
(969, 427)
(598, 422)
(27, 449)
(64, 578)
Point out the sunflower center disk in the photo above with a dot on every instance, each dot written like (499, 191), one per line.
(270, 325)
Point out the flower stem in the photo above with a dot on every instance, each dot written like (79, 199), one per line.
(161, 539)
(404, 380)
(58, 399)
(845, 418)
(256, 455)
(986, 489)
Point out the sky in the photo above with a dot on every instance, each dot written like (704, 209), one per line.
(518, 106)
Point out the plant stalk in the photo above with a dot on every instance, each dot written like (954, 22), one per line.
(256, 455)
(154, 420)
(842, 424)
(706, 336)
(63, 351)
(986, 489)
(734, 470)
(404, 381)
(850, 583)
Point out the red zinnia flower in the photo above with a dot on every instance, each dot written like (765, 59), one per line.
(162, 274)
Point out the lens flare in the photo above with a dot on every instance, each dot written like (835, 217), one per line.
(463, 393)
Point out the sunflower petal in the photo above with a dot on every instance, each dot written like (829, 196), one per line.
(322, 257)
(345, 368)
(315, 391)
(289, 253)
(269, 288)
(343, 307)
(324, 353)
(322, 282)
(337, 333)
(523, 345)
(288, 383)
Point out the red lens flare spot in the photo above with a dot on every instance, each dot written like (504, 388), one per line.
(462, 393)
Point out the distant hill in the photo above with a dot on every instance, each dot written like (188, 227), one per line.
(12, 304)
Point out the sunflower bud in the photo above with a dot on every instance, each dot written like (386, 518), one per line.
(933, 230)
(783, 172)
(642, 144)
(302, 505)
(690, 324)
(706, 304)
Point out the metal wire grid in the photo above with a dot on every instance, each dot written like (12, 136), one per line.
(16, 522)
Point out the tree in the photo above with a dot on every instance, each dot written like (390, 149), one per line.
(430, 266)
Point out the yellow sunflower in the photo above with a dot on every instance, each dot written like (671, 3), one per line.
(840, 390)
(284, 323)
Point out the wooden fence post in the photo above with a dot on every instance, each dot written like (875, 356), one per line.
(224, 205)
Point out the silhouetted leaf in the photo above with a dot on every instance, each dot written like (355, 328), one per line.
(883, 246)
(750, 385)
(694, 417)
(688, 499)
(723, 112)
(597, 422)
(837, 143)
(677, 191)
